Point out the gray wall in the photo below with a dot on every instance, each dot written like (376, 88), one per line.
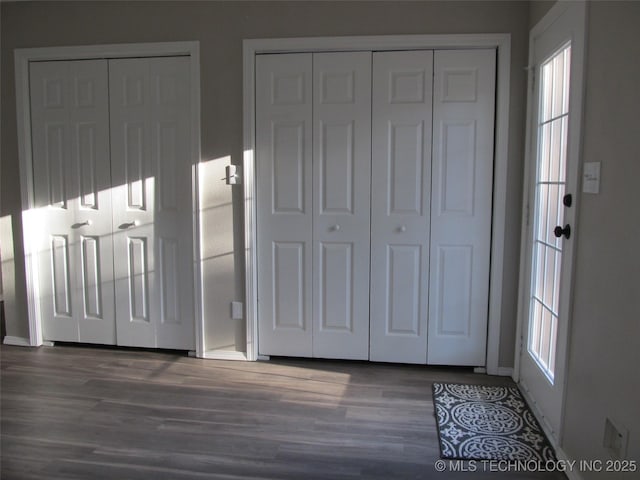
(538, 9)
(604, 351)
(220, 28)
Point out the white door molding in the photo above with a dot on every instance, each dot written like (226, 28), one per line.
(22, 59)
(502, 44)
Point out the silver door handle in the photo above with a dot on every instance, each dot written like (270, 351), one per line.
(336, 227)
(86, 223)
(402, 229)
(124, 226)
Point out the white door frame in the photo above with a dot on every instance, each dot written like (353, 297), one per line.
(23, 56)
(578, 54)
(502, 43)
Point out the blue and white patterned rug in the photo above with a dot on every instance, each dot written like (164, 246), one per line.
(481, 422)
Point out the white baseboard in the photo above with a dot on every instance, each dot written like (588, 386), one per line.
(505, 371)
(17, 341)
(224, 355)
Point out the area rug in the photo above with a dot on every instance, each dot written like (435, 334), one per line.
(482, 422)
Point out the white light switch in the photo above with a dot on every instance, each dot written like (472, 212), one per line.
(591, 177)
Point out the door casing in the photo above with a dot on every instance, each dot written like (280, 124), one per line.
(502, 44)
(22, 59)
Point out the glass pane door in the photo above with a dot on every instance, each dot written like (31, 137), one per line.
(549, 209)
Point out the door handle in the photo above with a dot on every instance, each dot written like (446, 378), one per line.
(86, 223)
(402, 229)
(335, 228)
(559, 231)
(124, 226)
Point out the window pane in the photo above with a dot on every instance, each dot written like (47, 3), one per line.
(549, 210)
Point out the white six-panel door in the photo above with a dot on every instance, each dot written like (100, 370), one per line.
(150, 138)
(461, 194)
(70, 142)
(400, 179)
(285, 236)
(341, 211)
(111, 139)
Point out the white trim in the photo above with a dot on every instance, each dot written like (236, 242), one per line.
(23, 56)
(22, 59)
(196, 155)
(502, 42)
(17, 341)
(224, 355)
(376, 42)
(498, 227)
(579, 46)
(118, 50)
(248, 187)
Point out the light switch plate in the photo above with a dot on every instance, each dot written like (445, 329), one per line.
(236, 311)
(616, 439)
(232, 175)
(591, 177)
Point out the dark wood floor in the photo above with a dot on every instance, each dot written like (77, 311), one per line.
(87, 413)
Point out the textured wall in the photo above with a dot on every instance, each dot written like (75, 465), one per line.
(220, 28)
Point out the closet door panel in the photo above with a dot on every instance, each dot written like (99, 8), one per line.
(341, 204)
(133, 202)
(171, 151)
(70, 139)
(464, 96)
(284, 200)
(150, 162)
(90, 153)
(400, 205)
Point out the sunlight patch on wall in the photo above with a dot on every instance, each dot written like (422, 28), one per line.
(217, 254)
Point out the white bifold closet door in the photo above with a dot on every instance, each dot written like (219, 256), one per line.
(374, 189)
(401, 179)
(151, 177)
(461, 204)
(111, 150)
(71, 180)
(313, 143)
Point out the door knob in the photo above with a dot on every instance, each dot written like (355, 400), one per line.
(81, 224)
(336, 227)
(402, 228)
(124, 226)
(559, 231)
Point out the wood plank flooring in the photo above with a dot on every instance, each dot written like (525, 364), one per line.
(94, 413)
